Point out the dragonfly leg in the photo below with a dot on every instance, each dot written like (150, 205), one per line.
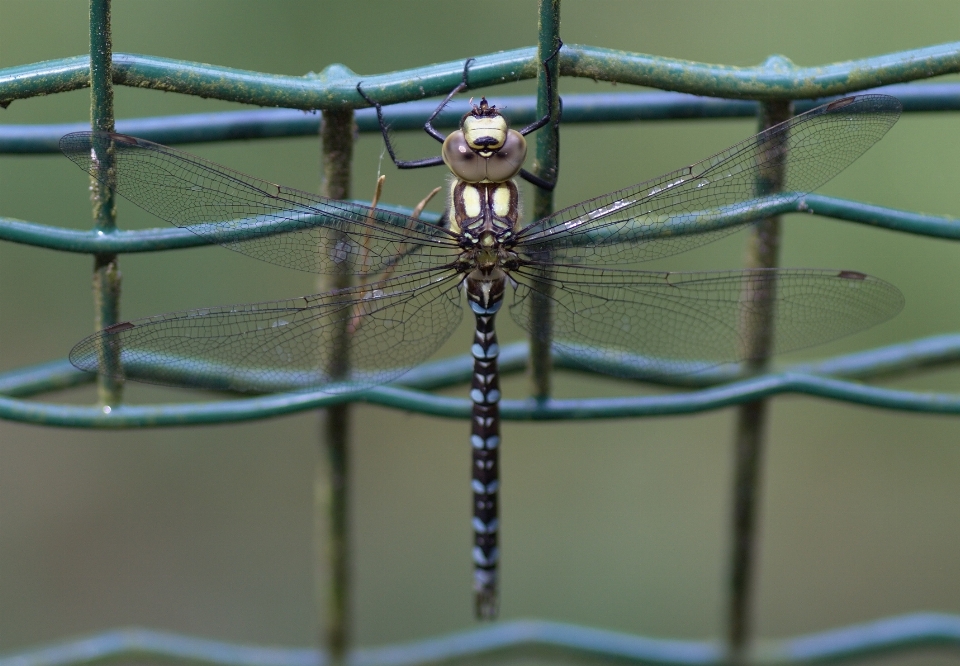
(543, 183)
(428, 126)
(463, 85)
(534, 126)
(385, 131)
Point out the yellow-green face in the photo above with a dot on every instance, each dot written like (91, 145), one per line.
(485, 134)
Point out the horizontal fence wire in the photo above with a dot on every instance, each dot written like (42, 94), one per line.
(520, 110)
(410, 392)
(835, 378)
(167, 238)
(336, 86)
(888, 635)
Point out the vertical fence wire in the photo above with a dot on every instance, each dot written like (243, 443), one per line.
(331, 490)
(106, 270)
(758, 299)
(546, 167)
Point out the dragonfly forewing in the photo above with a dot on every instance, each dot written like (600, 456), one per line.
(270, 222)
(718, 196)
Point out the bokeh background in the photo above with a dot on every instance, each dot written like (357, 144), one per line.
(622, 524)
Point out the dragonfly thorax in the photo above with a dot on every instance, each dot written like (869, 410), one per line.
(478, 207)
(487, 253)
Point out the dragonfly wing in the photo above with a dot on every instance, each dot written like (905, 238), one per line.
(632, 323)
(363, 335)
(708, 200)
(270, 222)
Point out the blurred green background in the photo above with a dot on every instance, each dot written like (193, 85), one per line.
(620, 524)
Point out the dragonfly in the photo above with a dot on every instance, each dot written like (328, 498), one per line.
(412, 276)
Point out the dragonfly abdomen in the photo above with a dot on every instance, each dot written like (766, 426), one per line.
(485, 297)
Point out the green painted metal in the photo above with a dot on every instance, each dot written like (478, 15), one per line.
(122, 242)
(158, 239)
(331, 481)
(763, 251)
(773, 80)
(106, 270)
(880, 363)
(409, 116)
(859, 641)
(547, 167)
(760, 82)
(410, 393)
(37, 379)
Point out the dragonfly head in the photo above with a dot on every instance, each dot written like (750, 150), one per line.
(484, 149)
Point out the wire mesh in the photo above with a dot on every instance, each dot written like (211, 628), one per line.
(834, 379)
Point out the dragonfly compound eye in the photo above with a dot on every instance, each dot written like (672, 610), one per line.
(462, 160)
(472, 167)
(506, 162)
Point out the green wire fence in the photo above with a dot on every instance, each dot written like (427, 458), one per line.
(694, 89)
